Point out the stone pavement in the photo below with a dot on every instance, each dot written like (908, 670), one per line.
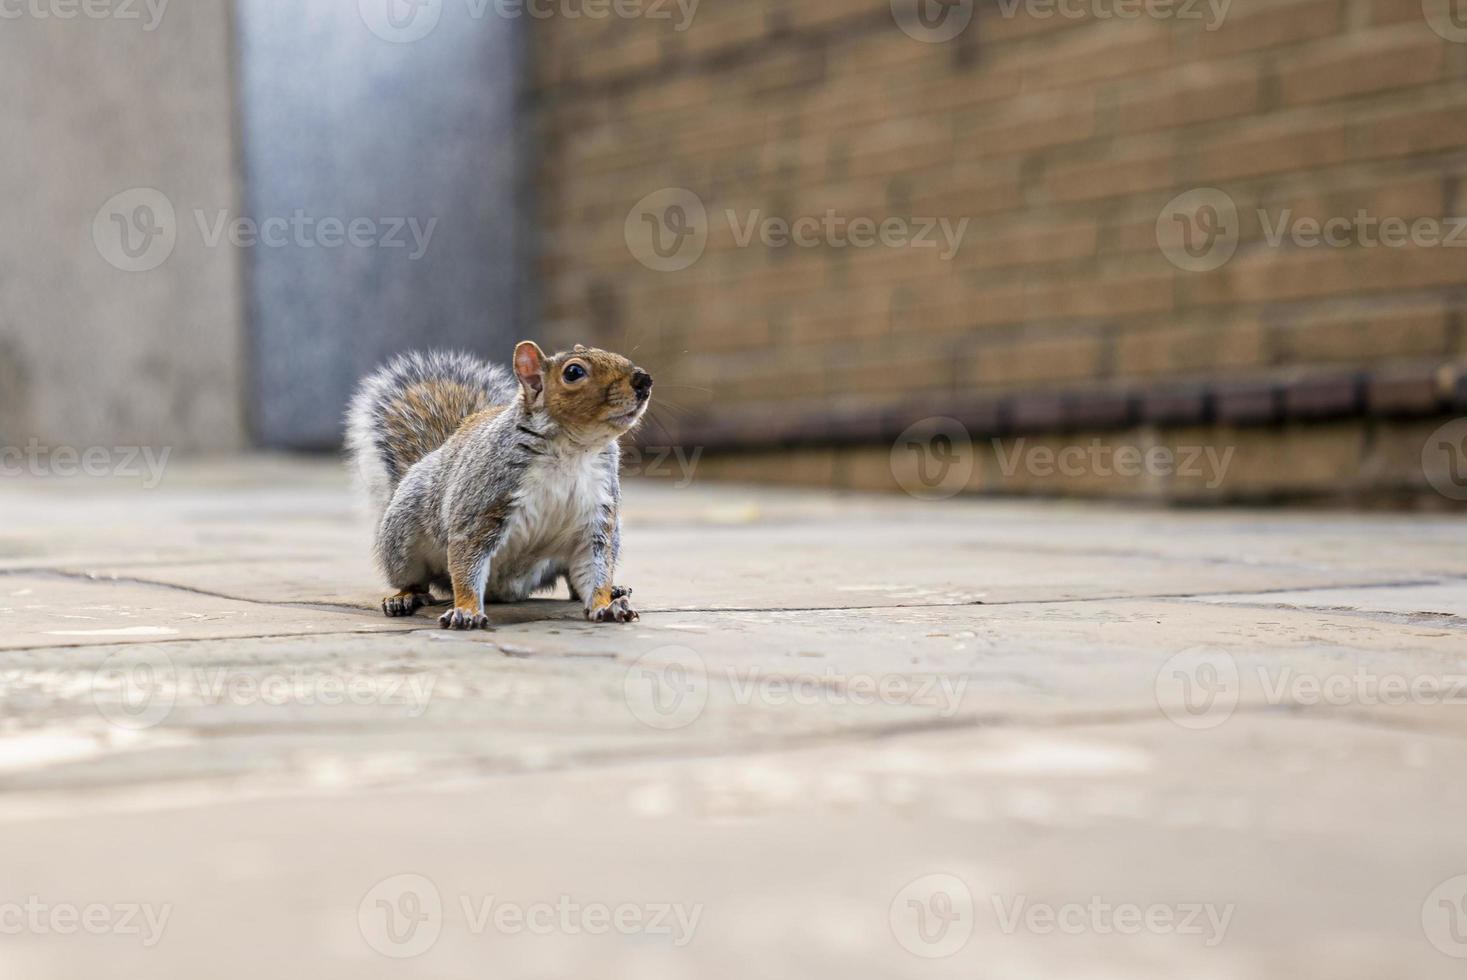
(850, 737)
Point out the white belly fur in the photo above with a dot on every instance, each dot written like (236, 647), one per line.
(558, 499)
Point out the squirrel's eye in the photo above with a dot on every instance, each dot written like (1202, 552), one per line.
(573, 372)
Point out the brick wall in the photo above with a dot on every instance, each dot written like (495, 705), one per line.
(1061, 133)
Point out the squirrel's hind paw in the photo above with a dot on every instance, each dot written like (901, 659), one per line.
(403, 604)
(463, 619)
(618, 611)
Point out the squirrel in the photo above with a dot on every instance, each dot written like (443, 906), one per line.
(495, 484)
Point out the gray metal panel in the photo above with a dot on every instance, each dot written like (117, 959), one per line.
(340, 122)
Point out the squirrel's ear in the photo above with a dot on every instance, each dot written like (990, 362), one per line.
(529, 363)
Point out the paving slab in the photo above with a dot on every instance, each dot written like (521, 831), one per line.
(851, 736)
(1051, 849)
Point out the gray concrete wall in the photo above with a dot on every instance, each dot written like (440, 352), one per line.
(91, 353)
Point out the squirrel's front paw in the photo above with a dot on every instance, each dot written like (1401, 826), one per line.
(463, 619)
(617, 611)
(404, 603)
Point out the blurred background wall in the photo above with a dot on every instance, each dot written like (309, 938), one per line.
(835, 230)
(407, 125)
(1063, 134)
(109, 114)
(219, 215)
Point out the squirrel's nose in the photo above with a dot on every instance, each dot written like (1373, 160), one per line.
(642, 385)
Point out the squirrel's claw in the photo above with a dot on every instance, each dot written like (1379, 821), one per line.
(617, 611)
(463, 619)
(403, 604)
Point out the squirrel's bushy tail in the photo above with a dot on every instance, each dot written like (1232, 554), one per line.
(407, 409)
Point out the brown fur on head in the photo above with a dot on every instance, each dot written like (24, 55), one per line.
(595, 396)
